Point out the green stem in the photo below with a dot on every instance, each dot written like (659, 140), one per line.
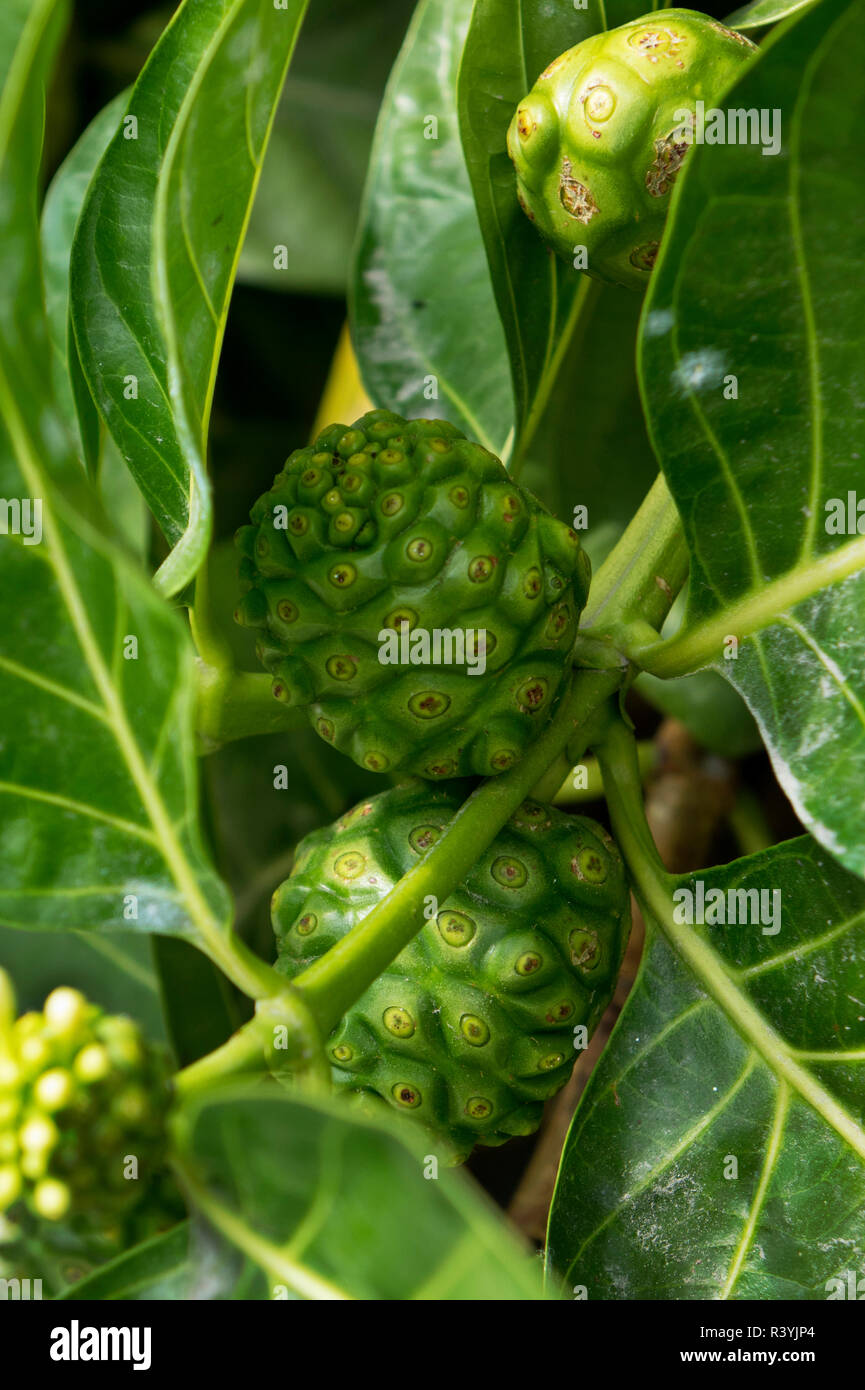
(572, 332)
(210, 642)
(253, 976)
(568, 794)
(702, 645)
(239, 704)
(244, 1052)
(333, 983)
(616, 752)
(640, 578)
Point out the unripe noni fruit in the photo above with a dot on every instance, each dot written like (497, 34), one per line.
(600, 138)
(478, 1020)
(375, 555)
(81, 1094)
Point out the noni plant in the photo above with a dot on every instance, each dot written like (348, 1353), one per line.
(431, 750)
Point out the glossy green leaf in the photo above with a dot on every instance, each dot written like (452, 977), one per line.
(707, 1163)
(62, 208)
(320, 1197)
(97, 785)
(424, 321)
(754, 476)
(761, 13)
(190, 1262)
(155, 254)
(315, 167)
(157, 1269)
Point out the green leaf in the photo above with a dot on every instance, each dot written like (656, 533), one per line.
(321, 1197)
(312, 180)
(155, 254)
(157, 1269)
(98, 792)
(753, 477)
(189, 1263)
(60, 213)
(423, 315)
(727, 1115)
(591, 449)
(761, 13)
(29, 34)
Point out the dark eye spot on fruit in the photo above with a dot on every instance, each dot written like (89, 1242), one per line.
(574, 196)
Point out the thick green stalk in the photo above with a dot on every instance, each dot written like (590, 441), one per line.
(702, 644)
(239, 704)
(333, 983)
(636, 585)
(243, 1052)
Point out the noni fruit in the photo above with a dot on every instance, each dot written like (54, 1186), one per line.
(412, 598)
(600, 138)
(479, 1020)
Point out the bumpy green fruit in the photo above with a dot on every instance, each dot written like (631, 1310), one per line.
(80, 1093)
(597, 143)
(392, 539)
(473, 1025)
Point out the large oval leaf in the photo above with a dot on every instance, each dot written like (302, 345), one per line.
(62, 208)
(98, 792)
(719, 1149)
(321, 1197)
(754, 295)
(155, 254)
